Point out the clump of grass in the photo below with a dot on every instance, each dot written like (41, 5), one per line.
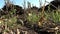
(10, 19)
(33, 17)
(53, 15)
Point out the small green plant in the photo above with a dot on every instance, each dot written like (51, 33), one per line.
(12, 21)
(32, 17)
(54, 15)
